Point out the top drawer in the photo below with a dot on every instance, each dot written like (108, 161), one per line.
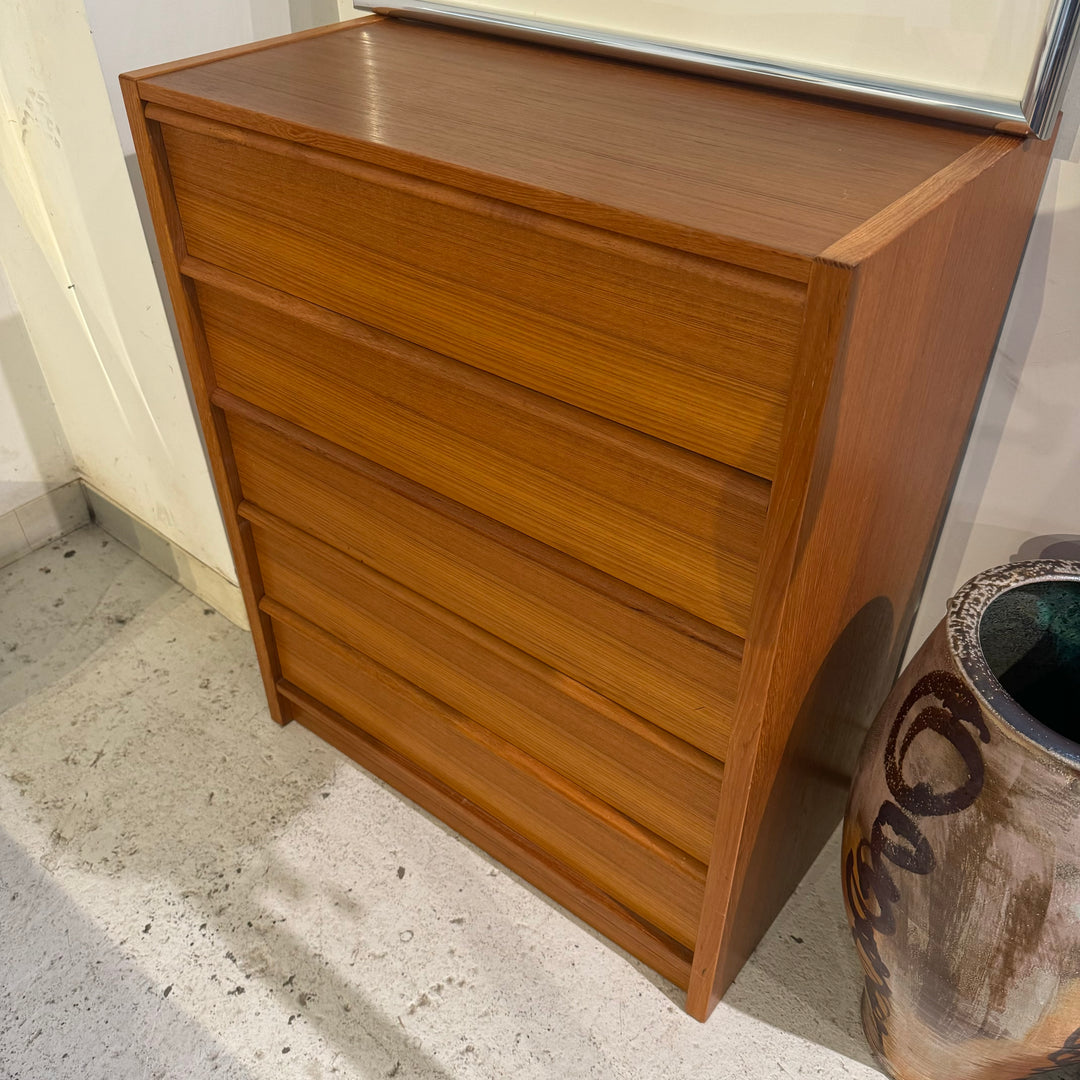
(692, 351)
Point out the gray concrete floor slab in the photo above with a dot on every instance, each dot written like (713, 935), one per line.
(188, 890)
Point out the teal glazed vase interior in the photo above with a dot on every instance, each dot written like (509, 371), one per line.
(961, 846)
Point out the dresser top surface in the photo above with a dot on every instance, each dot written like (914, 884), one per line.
(558, 131)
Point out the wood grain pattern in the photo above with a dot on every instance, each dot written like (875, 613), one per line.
(677, 672)
(758, 178)
(639, 870)
(706, 364)
(908, 334)
(676, 525)
(658, 781)
(563, 884)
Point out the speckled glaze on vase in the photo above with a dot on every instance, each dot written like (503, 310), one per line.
(961, 849)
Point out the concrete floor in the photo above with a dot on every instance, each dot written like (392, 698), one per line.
(188, 890)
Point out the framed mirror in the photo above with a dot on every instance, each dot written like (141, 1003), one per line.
(995, 63)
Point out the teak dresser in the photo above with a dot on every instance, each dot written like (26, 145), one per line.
(583, 432)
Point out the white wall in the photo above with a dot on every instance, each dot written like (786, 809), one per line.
(34, 455)
(305, 14)
(77, 261)
(977, 47)
(77, 255)
(131, 34)
(1018, 492)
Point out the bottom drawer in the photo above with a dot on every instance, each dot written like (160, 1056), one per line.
(654, 879)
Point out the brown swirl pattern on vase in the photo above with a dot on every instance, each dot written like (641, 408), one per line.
(895, 837)
(961, 847)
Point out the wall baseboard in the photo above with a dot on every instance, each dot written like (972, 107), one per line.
(172, 560)
(42, 520)
(77, 503)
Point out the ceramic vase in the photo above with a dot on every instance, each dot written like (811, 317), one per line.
(961, 847)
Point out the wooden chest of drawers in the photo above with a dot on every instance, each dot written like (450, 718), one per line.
(582, 433)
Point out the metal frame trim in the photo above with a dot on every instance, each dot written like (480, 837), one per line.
(1035, 114)
(1051, 72)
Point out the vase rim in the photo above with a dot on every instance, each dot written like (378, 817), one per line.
(963, 623)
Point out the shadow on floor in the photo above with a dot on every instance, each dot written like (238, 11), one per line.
(160, 833)
(72, 1005)
(215, 850)
(804, 977)
(151, 780)
(61, 604)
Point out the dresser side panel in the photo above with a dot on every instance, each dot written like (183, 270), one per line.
(907, 367)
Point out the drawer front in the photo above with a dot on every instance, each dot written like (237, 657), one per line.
(658, 882)
(695, 352)
(675, 671)
(674, 524)
(652, 778)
